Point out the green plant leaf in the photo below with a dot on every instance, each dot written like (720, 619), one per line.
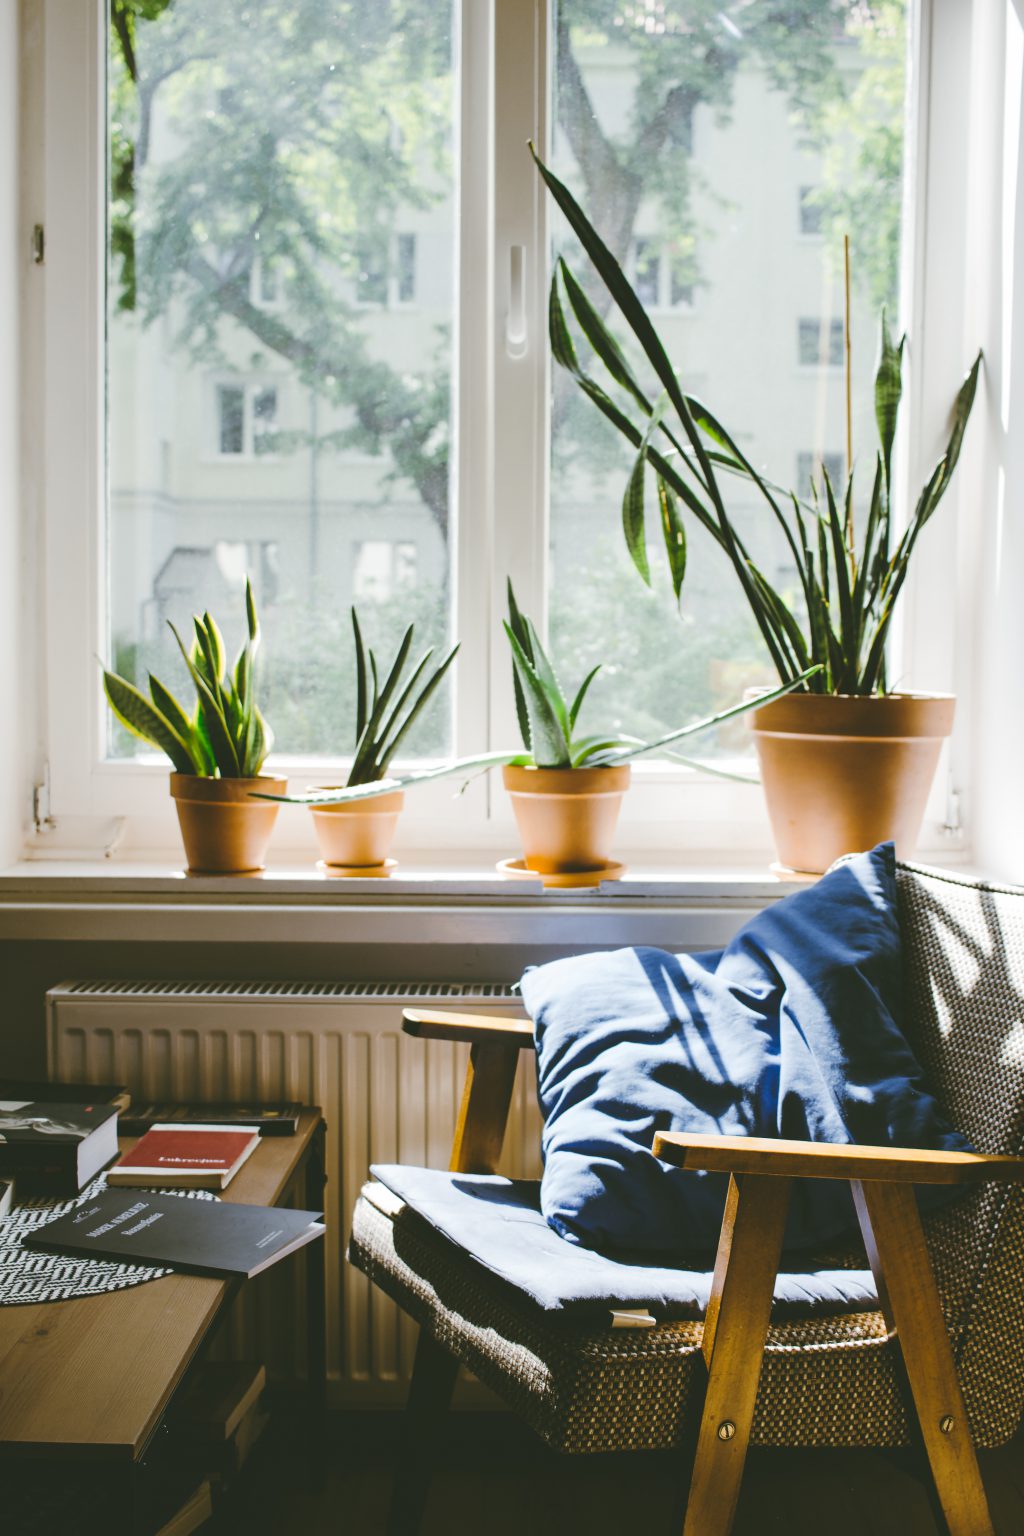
(888, 390)
(252, 622)
(544, 668)
(360, 676)
(418, 705)
(547, 740)
(519, 629)
(144, 720)
(577, 703)
(600, 337)
(168, 706)
(221, 743)
(673, 532)
(482, 762)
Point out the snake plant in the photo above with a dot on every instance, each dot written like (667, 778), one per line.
(383, 725)
(849, 584)
(225, 736)
(547, 720)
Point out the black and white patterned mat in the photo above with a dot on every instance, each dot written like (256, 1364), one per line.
(27, 1276)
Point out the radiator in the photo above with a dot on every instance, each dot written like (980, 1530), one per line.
(385, 1097)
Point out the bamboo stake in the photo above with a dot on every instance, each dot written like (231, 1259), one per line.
(849, 408)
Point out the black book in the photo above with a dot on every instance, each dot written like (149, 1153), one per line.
(37, 1089)
(268, 1119)
(52, 1147)
(204, 1236)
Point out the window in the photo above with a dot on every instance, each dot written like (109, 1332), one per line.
(820, 341)
(380, 570)
(809, 468)
(811, 212)
(246, 419)
(326, 391)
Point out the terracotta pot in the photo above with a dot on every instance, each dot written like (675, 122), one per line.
(224, 830)
(843, 773)
(357, 834)
(566, 816)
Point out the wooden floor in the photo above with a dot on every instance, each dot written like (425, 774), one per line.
(495, 1478)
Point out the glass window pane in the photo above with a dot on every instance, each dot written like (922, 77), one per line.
(716, 138)
(280, 173)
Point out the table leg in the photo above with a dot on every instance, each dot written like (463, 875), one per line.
(316, 1308)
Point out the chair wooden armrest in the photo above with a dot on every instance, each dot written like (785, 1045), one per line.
(824, 1160)
(495, 1044)
(426, 1024)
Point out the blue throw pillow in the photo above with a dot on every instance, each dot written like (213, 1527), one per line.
(792, 1031)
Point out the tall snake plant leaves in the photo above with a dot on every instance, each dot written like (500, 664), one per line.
(382, 727)
(847, 593)
(226, 734)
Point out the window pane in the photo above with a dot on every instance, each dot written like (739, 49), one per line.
(726, 134)
(278, 172)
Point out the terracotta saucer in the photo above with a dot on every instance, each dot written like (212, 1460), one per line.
(357, 871)
(576, 879)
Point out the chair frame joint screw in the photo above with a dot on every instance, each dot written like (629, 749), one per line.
(946, 1424)
(726, 1429)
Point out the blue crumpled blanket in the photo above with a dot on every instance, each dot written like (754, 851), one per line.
(792, 1031)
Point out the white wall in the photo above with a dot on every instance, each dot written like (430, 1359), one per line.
(998, 289)
(10, 542)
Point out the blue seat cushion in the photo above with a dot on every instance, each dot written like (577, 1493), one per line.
(498, 1223)
(792, 1031)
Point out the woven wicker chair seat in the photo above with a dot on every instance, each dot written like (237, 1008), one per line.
(828, 1381)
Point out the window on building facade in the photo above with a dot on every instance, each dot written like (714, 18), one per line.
(343, 360)
(809, 468)
(246, 419)
(819, 342)
(811, 211)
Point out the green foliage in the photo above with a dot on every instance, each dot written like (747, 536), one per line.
(848, 592)
(225, 736)
(382, 726)
(547, 721)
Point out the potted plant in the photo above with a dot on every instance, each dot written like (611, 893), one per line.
(567, 789)
(846, 763)
(355, 834)
(217, 751)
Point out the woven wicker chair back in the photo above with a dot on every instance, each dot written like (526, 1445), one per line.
(964, 1002)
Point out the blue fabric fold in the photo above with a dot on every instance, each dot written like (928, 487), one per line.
(793, 1030)
(498, 1223)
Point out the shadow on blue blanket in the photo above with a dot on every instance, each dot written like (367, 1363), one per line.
(793, 1030)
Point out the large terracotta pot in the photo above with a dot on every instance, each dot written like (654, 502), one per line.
(225, 831)
(357, 834)
(843, 773)
(566, 816)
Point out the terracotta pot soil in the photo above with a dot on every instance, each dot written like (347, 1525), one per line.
(566, 816)
(843, 773)
(357, 834)
(225, 831)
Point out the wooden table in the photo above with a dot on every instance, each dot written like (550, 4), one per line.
(91, 1379)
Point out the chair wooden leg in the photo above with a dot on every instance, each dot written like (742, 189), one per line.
(734, 1333)
(896, 1247)
(430, 1394)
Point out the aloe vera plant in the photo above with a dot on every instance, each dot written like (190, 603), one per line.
(547, 720)
(225, 735)
(849, 583)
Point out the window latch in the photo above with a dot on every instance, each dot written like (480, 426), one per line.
(515, 320)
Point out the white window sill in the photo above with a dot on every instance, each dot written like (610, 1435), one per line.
(461, 901)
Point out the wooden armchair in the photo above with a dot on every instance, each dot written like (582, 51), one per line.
(949, 1287)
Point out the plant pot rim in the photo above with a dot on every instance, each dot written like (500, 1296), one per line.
(913, 716)
(528, 779)
(205, 788)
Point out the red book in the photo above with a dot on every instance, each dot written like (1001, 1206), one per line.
(186, 1157)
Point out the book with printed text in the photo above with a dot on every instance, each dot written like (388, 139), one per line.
(177, 1156)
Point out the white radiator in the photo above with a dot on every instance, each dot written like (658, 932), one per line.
(385, 1096)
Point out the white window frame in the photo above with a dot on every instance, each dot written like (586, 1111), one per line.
(501, 453)
(251, 384)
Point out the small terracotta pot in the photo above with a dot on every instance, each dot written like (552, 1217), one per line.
(357, 834)
(842, 773)
(566, 816)
(225, 831)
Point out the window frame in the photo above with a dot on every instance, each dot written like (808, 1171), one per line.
(500, 462)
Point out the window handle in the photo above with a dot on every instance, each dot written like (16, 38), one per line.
(515, 320)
